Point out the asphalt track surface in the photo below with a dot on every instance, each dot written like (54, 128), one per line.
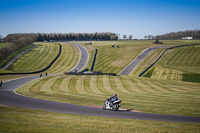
(84, 57)
(8, 97)
(131, 66)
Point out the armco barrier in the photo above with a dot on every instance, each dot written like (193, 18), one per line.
(161, 56)
(93, 61)
(90, 73)
(39, 71)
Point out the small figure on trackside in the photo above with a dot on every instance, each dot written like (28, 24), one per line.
(1, 83)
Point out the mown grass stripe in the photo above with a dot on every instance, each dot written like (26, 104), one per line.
(80, 85)
(100, 84)
(64, 85)
(161, 86)
(125, 82)
(114, 85)
(57, 66)
(94, 85)
(57, 84)
(40, 57)
(135, 82)
(36, 87)
(120, 85)
(144, 86)
(107, 84)
(72, 84)
(67, 58)
(155, 87)
(150, 86)
(87, 87)
(46, 87)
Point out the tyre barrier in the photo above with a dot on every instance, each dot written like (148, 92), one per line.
(90, 73)
(42, 70)
(93, 61)
(162, 55)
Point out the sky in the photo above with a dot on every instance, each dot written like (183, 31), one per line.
(131, 17)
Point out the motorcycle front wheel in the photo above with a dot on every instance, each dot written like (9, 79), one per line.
(104, 107)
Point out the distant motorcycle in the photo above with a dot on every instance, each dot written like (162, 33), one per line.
(112, 105)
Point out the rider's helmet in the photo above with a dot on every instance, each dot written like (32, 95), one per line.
(115, 94)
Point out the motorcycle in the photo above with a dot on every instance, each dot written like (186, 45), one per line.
(112, 105)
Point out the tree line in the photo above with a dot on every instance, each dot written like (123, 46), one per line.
(195, 34)
(180, 34)
(38, 37)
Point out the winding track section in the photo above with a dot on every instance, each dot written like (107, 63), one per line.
(84, 57)
(8, 97)
(131, 66)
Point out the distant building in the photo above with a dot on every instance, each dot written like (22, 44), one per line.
(187, 38)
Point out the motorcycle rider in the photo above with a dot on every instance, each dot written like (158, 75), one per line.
(112, 99)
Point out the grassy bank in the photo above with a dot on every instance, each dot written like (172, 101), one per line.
(36, 59)
(177, 64)
(68, 59)
(115, 59)
(10, 57)
(23, 120)
(41, 56)
(147, 95)
(3, 45)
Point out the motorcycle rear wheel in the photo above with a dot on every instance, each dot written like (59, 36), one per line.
(115, 107)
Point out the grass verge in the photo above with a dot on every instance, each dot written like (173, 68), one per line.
(25, 120)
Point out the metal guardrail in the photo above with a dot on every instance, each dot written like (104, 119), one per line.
(90, 73)
(161, 56)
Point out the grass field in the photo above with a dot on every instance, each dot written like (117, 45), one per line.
(115, 59)
(23, 120)
(3, 45)
(68, 59)
(36, 59)
(46, 52)
(177, 64)
(144, 94)
(147, 95)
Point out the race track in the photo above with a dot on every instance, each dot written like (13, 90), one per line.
(131, 66)
(8, 97)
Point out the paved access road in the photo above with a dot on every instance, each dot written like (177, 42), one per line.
(8, 97)
(131, 66)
